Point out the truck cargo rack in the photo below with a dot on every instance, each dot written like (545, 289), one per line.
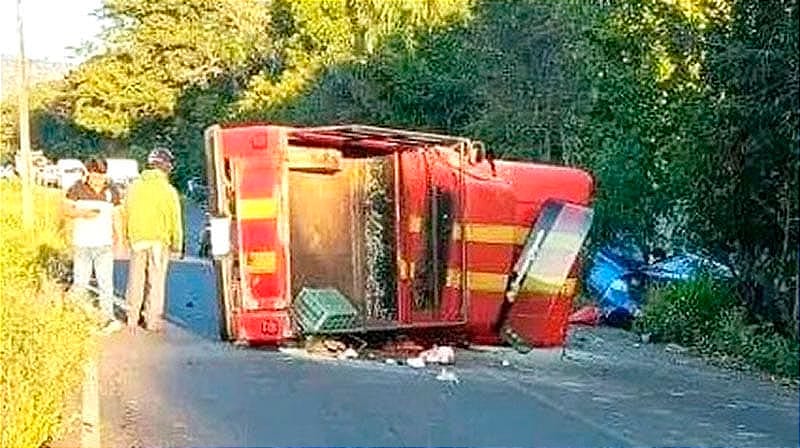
(360, 137)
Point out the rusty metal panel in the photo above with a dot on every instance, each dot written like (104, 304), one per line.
(337, 241)
(322, 220)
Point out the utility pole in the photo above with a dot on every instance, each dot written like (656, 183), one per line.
(24, 129)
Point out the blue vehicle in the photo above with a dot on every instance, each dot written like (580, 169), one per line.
(619, 276)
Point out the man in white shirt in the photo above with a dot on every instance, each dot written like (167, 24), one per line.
(91, 204)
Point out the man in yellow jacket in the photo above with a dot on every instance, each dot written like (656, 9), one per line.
(154, 230)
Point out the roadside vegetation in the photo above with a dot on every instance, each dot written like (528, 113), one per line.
(687, 113)
(708, 316)
(44, 339)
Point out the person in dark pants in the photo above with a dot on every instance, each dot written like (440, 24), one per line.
(154, 231)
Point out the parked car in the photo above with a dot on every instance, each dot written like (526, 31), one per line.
(122, 172)
(69, 172)
(49, 175)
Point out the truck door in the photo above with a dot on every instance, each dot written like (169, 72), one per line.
(536, 312)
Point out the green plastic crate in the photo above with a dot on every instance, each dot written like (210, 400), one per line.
(324, 311)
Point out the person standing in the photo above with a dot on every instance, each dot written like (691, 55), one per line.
(154, 231)
(90, 204)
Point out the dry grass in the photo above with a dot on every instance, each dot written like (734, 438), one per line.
(44, 339)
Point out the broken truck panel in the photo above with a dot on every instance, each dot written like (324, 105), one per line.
(414, 229)
(540, 312)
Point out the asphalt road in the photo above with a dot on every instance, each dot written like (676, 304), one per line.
(186, 388)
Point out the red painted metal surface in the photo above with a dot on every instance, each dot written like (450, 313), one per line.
(257, 156)
(494, 207)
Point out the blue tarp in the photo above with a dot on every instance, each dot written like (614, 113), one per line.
(619, 274)
(611, 280)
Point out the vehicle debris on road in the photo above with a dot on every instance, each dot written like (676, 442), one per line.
(348, 353)
(588, 315)
(416, 363)
(447, 375)
(439, 355)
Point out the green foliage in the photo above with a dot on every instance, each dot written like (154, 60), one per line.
(684, 312)
(44, 340)
(686, 112)
(157, 49)
(314, 37)
(708, 316)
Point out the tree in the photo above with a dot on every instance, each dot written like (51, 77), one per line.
(154, 50)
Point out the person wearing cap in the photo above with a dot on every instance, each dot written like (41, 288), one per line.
(154, 231)
(90, 205)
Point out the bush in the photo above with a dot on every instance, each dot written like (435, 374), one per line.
(707, 315)
(45, 340)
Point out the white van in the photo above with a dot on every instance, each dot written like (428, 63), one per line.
(69, 172)
(122, 171)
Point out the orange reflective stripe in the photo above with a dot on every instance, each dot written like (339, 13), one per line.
(402, 267)
(261, 262)
(406, 269)
(414, 224)
(496, 283)
(480, 233)
(477, 281)
(570, 287)
(491, 233)
(261, 208)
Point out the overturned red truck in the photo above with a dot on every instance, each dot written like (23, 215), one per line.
(392, 229)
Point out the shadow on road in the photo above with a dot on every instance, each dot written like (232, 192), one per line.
(191, 295)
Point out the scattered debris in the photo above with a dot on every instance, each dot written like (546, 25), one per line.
(348, 353)
(645, 338)
(401, 349)
(391, 361)
(588, 315)
(447, 375)
(416, 363)
(329, 348)
(334, 345)
(439, 355)
(506, 363)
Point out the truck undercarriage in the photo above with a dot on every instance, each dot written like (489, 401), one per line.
(349, 229)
